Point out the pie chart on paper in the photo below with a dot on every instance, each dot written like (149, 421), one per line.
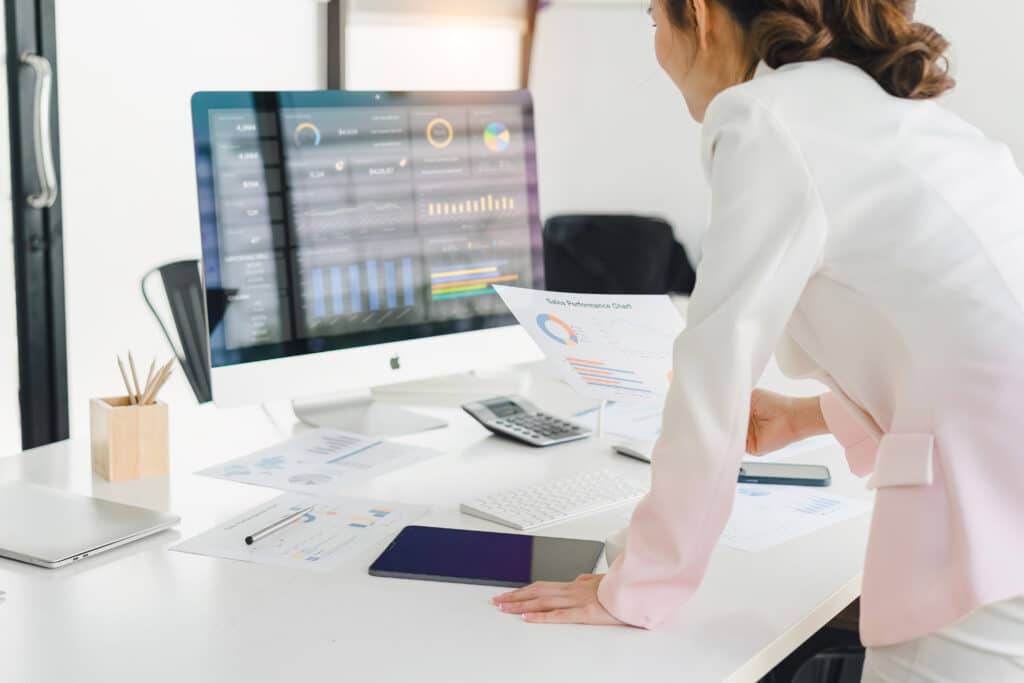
(497, 137)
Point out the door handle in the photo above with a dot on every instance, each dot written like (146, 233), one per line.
(41, 133)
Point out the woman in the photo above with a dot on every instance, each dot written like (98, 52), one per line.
(874, 241)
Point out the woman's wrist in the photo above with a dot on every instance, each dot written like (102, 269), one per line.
(806, 419)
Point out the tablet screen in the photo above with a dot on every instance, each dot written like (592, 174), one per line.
(487, 558)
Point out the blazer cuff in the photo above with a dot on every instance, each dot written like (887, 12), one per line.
(609, 594)
(860, 445)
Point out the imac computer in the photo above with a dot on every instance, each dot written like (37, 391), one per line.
(352, 239)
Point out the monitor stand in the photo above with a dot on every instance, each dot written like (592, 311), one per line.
(360, 414)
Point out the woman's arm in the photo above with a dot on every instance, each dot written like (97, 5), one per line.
(777, 421)
(765, 242)
(860, 444)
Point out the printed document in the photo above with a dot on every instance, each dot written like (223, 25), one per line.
(335, 530)
(765, 516)
(606, 346)
(320, 462)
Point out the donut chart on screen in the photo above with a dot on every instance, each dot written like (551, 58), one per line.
(497, 137)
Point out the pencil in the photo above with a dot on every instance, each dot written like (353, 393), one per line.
(160, 385)
(161, 376)
(135, 377)
(149, 377)
(127, 384)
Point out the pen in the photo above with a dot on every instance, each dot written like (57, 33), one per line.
(276, 526)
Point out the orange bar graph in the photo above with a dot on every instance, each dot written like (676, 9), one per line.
(485, 204)
(609, 382)
(594, 372)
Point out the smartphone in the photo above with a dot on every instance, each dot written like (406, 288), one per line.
(784, 473)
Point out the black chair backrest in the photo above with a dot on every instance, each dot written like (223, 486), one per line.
(184, 288)
(615, 255)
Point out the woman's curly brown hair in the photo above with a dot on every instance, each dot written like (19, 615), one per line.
(907, 58)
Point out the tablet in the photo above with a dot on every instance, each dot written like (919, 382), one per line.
(484, 558)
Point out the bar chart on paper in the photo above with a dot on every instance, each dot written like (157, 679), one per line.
(608, 347)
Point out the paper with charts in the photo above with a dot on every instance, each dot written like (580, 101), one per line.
(320, 462)
(640, 425)
(764, 516)
(335, 530)
(607, 346)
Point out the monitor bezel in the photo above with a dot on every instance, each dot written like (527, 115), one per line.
(203, 103)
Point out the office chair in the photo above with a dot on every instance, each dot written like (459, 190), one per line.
(615, 255)
(839, 665)
(184, 289)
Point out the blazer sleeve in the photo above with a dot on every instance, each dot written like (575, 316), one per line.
(765, 241)
(859, 444)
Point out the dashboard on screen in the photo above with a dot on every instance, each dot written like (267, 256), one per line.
(333, 220)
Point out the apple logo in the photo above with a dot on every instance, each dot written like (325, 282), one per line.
(396, 362)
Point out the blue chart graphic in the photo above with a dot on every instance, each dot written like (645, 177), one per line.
(271, 462)
(336, 291)
(753, 493)
(557, 329)
(371, 286)
(307, 518)
(389, 278)
(410, 299)
(818, 506)
(357, 297)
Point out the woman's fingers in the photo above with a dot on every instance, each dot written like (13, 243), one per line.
(570, 615)
(538, 605)
(534, 590)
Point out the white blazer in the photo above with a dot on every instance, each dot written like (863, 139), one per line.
(877, 244)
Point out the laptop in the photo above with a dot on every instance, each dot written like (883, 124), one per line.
(51, 528)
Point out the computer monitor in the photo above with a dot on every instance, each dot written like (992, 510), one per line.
(351, 240)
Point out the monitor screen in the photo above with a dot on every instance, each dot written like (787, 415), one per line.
(333, 220)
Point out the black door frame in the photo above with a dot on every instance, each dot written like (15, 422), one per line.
(38, 232)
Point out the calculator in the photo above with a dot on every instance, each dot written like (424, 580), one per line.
(516, 418)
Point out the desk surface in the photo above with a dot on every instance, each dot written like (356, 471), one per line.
(143, 613)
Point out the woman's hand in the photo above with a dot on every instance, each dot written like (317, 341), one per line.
(548, 602)
(777, 421)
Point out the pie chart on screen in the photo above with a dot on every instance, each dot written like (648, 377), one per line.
(497, 137)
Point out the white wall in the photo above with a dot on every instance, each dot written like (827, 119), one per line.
(386, 52)
(10, 412)
(614, 134)
(987, 63)
(127, 71)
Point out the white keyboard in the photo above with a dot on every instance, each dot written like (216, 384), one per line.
(555, 501)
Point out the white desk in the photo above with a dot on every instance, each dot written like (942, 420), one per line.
(141, 613)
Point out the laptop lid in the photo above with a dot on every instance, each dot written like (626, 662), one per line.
(47, 527)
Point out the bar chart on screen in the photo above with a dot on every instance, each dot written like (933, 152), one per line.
(484, 206)
(367, 286)
(469, 279)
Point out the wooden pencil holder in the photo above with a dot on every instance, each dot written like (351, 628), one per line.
(128, 441)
